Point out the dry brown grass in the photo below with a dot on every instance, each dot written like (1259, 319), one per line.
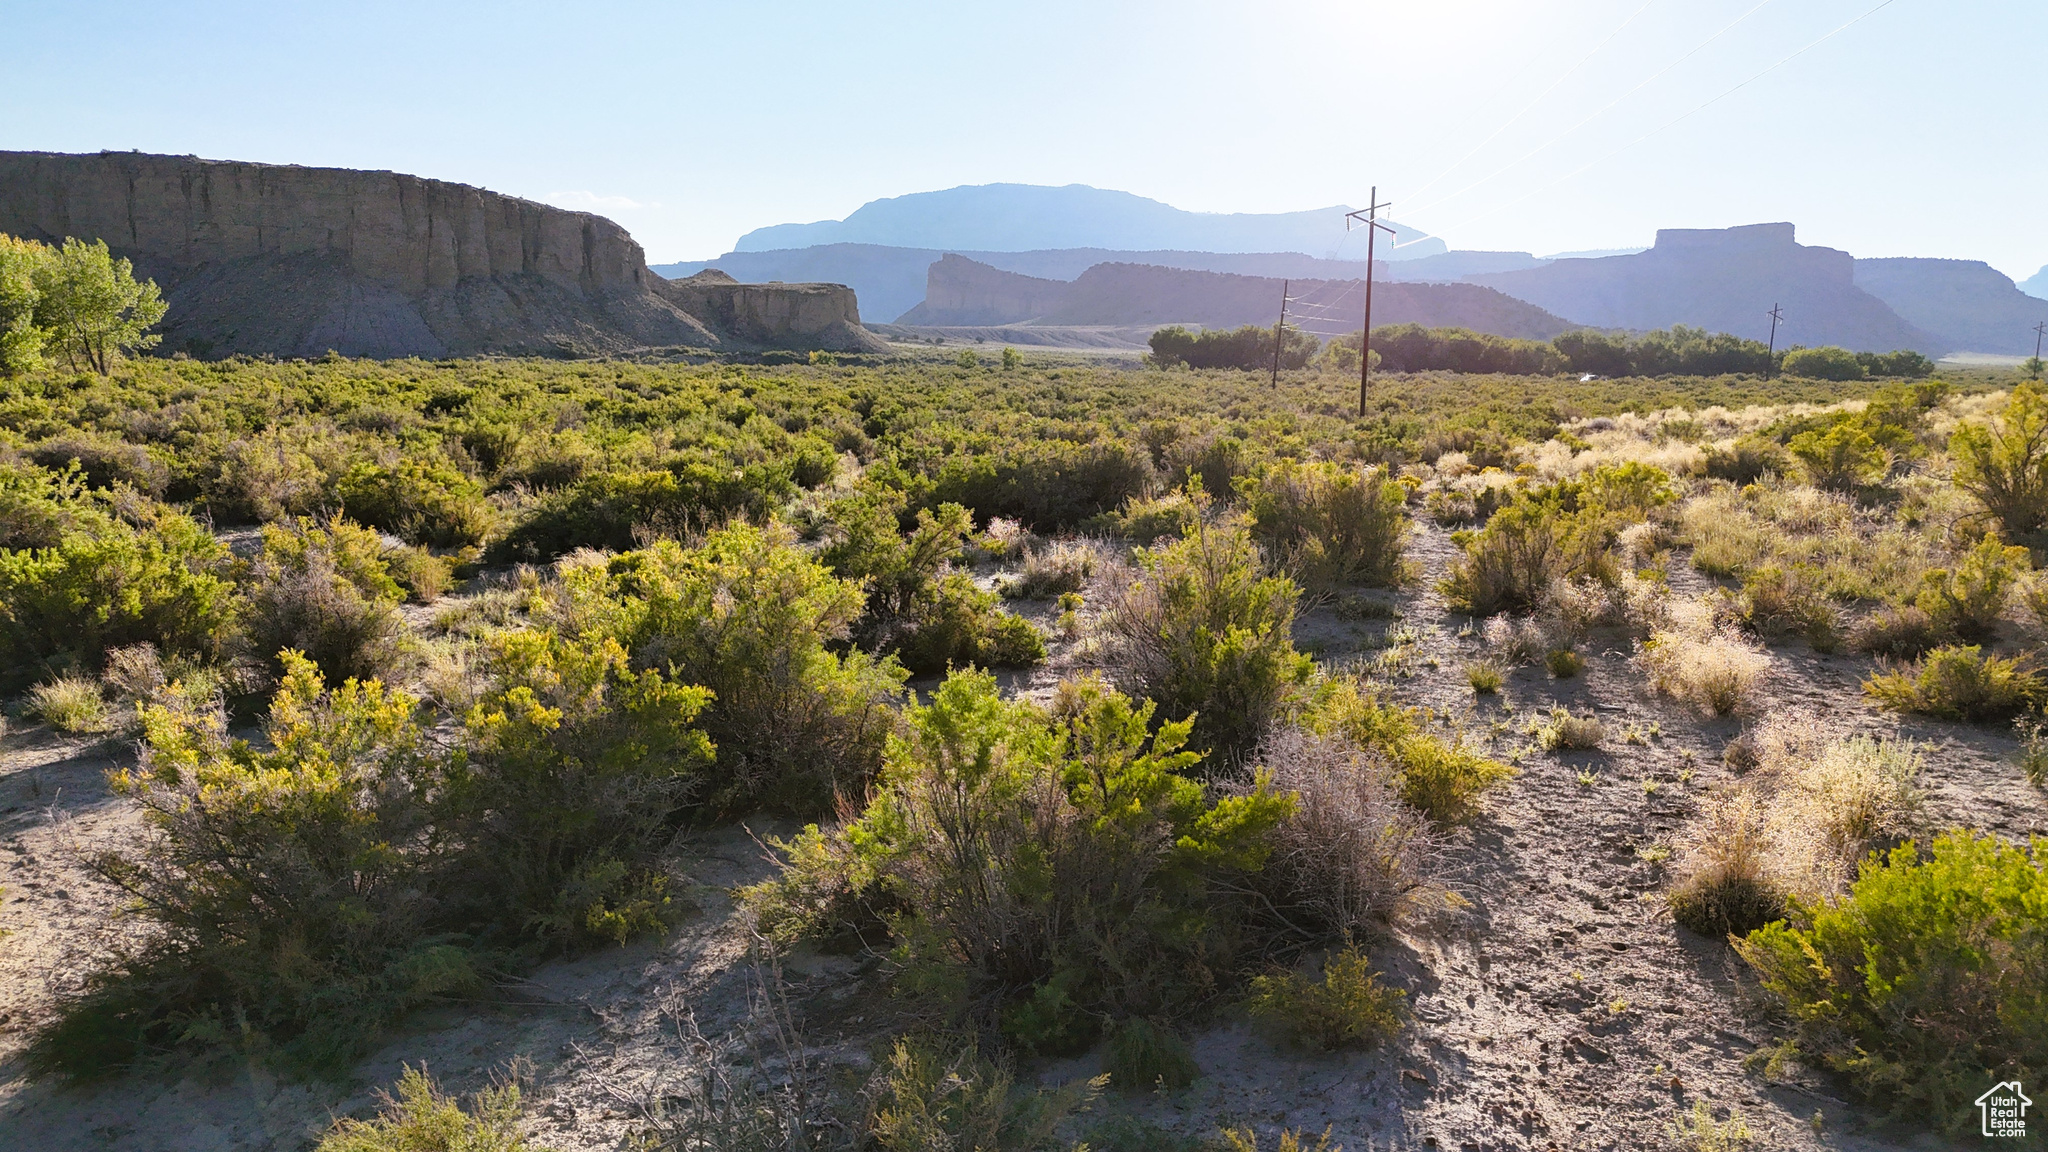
(1810, 809)
(1706, 666)
(1352, 857)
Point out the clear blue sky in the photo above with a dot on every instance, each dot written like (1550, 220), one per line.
(1919, 131)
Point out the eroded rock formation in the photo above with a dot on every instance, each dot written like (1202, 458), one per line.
(292, 261)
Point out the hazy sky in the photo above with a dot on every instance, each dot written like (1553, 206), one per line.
(1918, 131)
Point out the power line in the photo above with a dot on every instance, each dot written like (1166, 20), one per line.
(1672, 123)
(1777, 314)
(1284, 285)
(1371, 212)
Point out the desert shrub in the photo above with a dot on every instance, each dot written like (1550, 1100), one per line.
(1247, 1139)
(918, 608)
(1564, 663)
(307, 894)
(39, 507)
(324, 590)
(268, 476)
(1748, 460)
(423, 575)
(575, 765)
(290, 886)
(1726, 879)
(1509, 565)
(934, 1097)
(1562, 532)
(69, 704)
(1928, 981)
(1441, 778)
(1049, 485)
(1790, 599)
(1961, 682)
(1900, 633)
(1516, 641)
(1143, 1057)
(620, 510)
(1809, 808)
(1840, 458)
(1055, 570)
(1967, 600)
(1703, 666)
(1328, 526)
(1827, 363)
(1347, 1008)
(420, 501)
(1698, 1131)
(1563, 732)
(1046, 868)
(1352, 856)
(67, 605)
(2004, 464)
(103, 463)
(1206, 633)
(1485, 676)
(422, 1118)
(1146, 521)
(748, 615)
(1445, 779)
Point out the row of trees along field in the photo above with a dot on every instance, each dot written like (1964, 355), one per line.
(1675, 351)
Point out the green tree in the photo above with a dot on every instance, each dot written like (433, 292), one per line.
(21, 340)
(1828, 363)
(94, 307)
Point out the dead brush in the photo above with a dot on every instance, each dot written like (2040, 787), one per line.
(1053, 570)
(1563, 732)
(1515, 641)
(1810, 809)
(1352, 857)
(1704, 665)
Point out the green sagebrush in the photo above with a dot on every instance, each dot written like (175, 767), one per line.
(1929, 982)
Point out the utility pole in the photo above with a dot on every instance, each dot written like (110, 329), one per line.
(2038, 330)
(1777, 314)
(1276, 331)
(1368, 217)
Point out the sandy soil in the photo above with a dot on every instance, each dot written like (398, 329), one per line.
(1560, 1008)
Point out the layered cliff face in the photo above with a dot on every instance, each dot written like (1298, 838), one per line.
(963, 292)
(1725, 280)
(292, 261)
(1968, 304)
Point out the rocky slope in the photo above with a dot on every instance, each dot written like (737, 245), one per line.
(1725, 280)
(292, 261)
(964, 292)
(1968, 304)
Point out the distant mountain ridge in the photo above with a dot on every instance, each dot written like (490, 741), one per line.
(1725, 280)
(1033, 217)
(1967, 304)
(891, 281)
(967, 293)
(2037, 284)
